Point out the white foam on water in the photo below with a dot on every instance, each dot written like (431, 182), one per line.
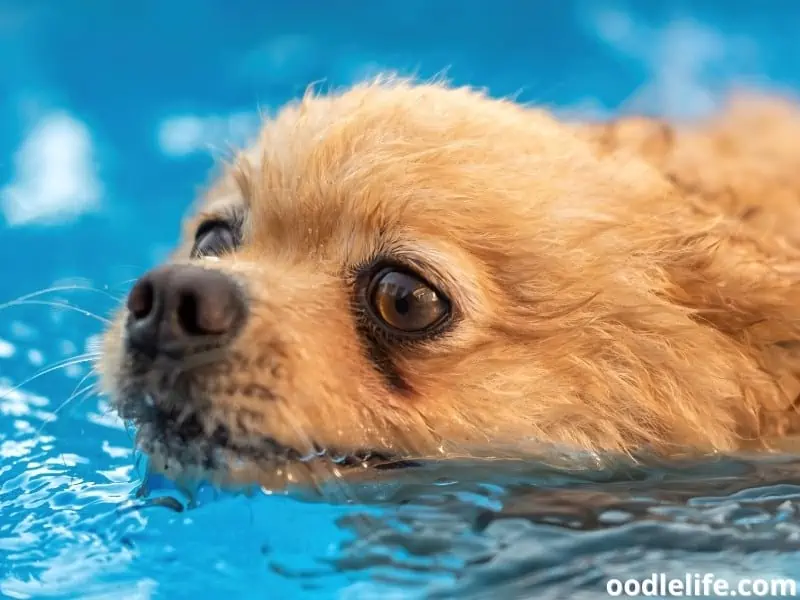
(35, 357)
(55, 178)
(7, 349)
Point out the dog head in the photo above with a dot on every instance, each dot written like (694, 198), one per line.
(408, 270)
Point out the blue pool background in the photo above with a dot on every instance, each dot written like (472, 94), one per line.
(110, 117)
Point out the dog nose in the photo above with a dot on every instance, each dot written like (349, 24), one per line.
(172, 308)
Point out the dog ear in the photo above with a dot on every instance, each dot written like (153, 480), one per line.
(647, 138)
(743, 161)
(735, 264)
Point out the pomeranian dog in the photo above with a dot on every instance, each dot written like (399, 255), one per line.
(407, 270)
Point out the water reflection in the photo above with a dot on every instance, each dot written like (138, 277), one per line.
(525, 531)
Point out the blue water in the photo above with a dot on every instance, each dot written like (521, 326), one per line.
(111, 114)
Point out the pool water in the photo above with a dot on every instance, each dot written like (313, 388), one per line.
(112, 115)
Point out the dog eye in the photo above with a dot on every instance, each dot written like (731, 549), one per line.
(213, 238)
(406, 303)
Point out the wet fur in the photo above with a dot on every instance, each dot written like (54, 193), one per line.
(618, 287)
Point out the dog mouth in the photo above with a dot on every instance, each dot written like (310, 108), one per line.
(182, 437)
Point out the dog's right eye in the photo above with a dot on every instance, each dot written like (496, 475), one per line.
(212, 239)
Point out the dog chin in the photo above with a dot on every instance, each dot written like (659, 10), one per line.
(184, 448)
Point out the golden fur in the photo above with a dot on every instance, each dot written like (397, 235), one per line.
(623, 287)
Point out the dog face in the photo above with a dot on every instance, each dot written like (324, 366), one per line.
(410, 270)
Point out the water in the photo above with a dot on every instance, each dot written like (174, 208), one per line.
(110, 120)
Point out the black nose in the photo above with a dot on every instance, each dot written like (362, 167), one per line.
(174, 308)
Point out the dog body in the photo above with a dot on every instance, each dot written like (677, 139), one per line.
(417, 270)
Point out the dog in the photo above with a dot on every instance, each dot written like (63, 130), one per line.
(402, 270)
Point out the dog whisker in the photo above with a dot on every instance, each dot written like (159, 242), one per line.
(76, 394)
(54, 304)
(63, 364)
(61, 288)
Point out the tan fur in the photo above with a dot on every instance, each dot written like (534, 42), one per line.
(619, 287)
